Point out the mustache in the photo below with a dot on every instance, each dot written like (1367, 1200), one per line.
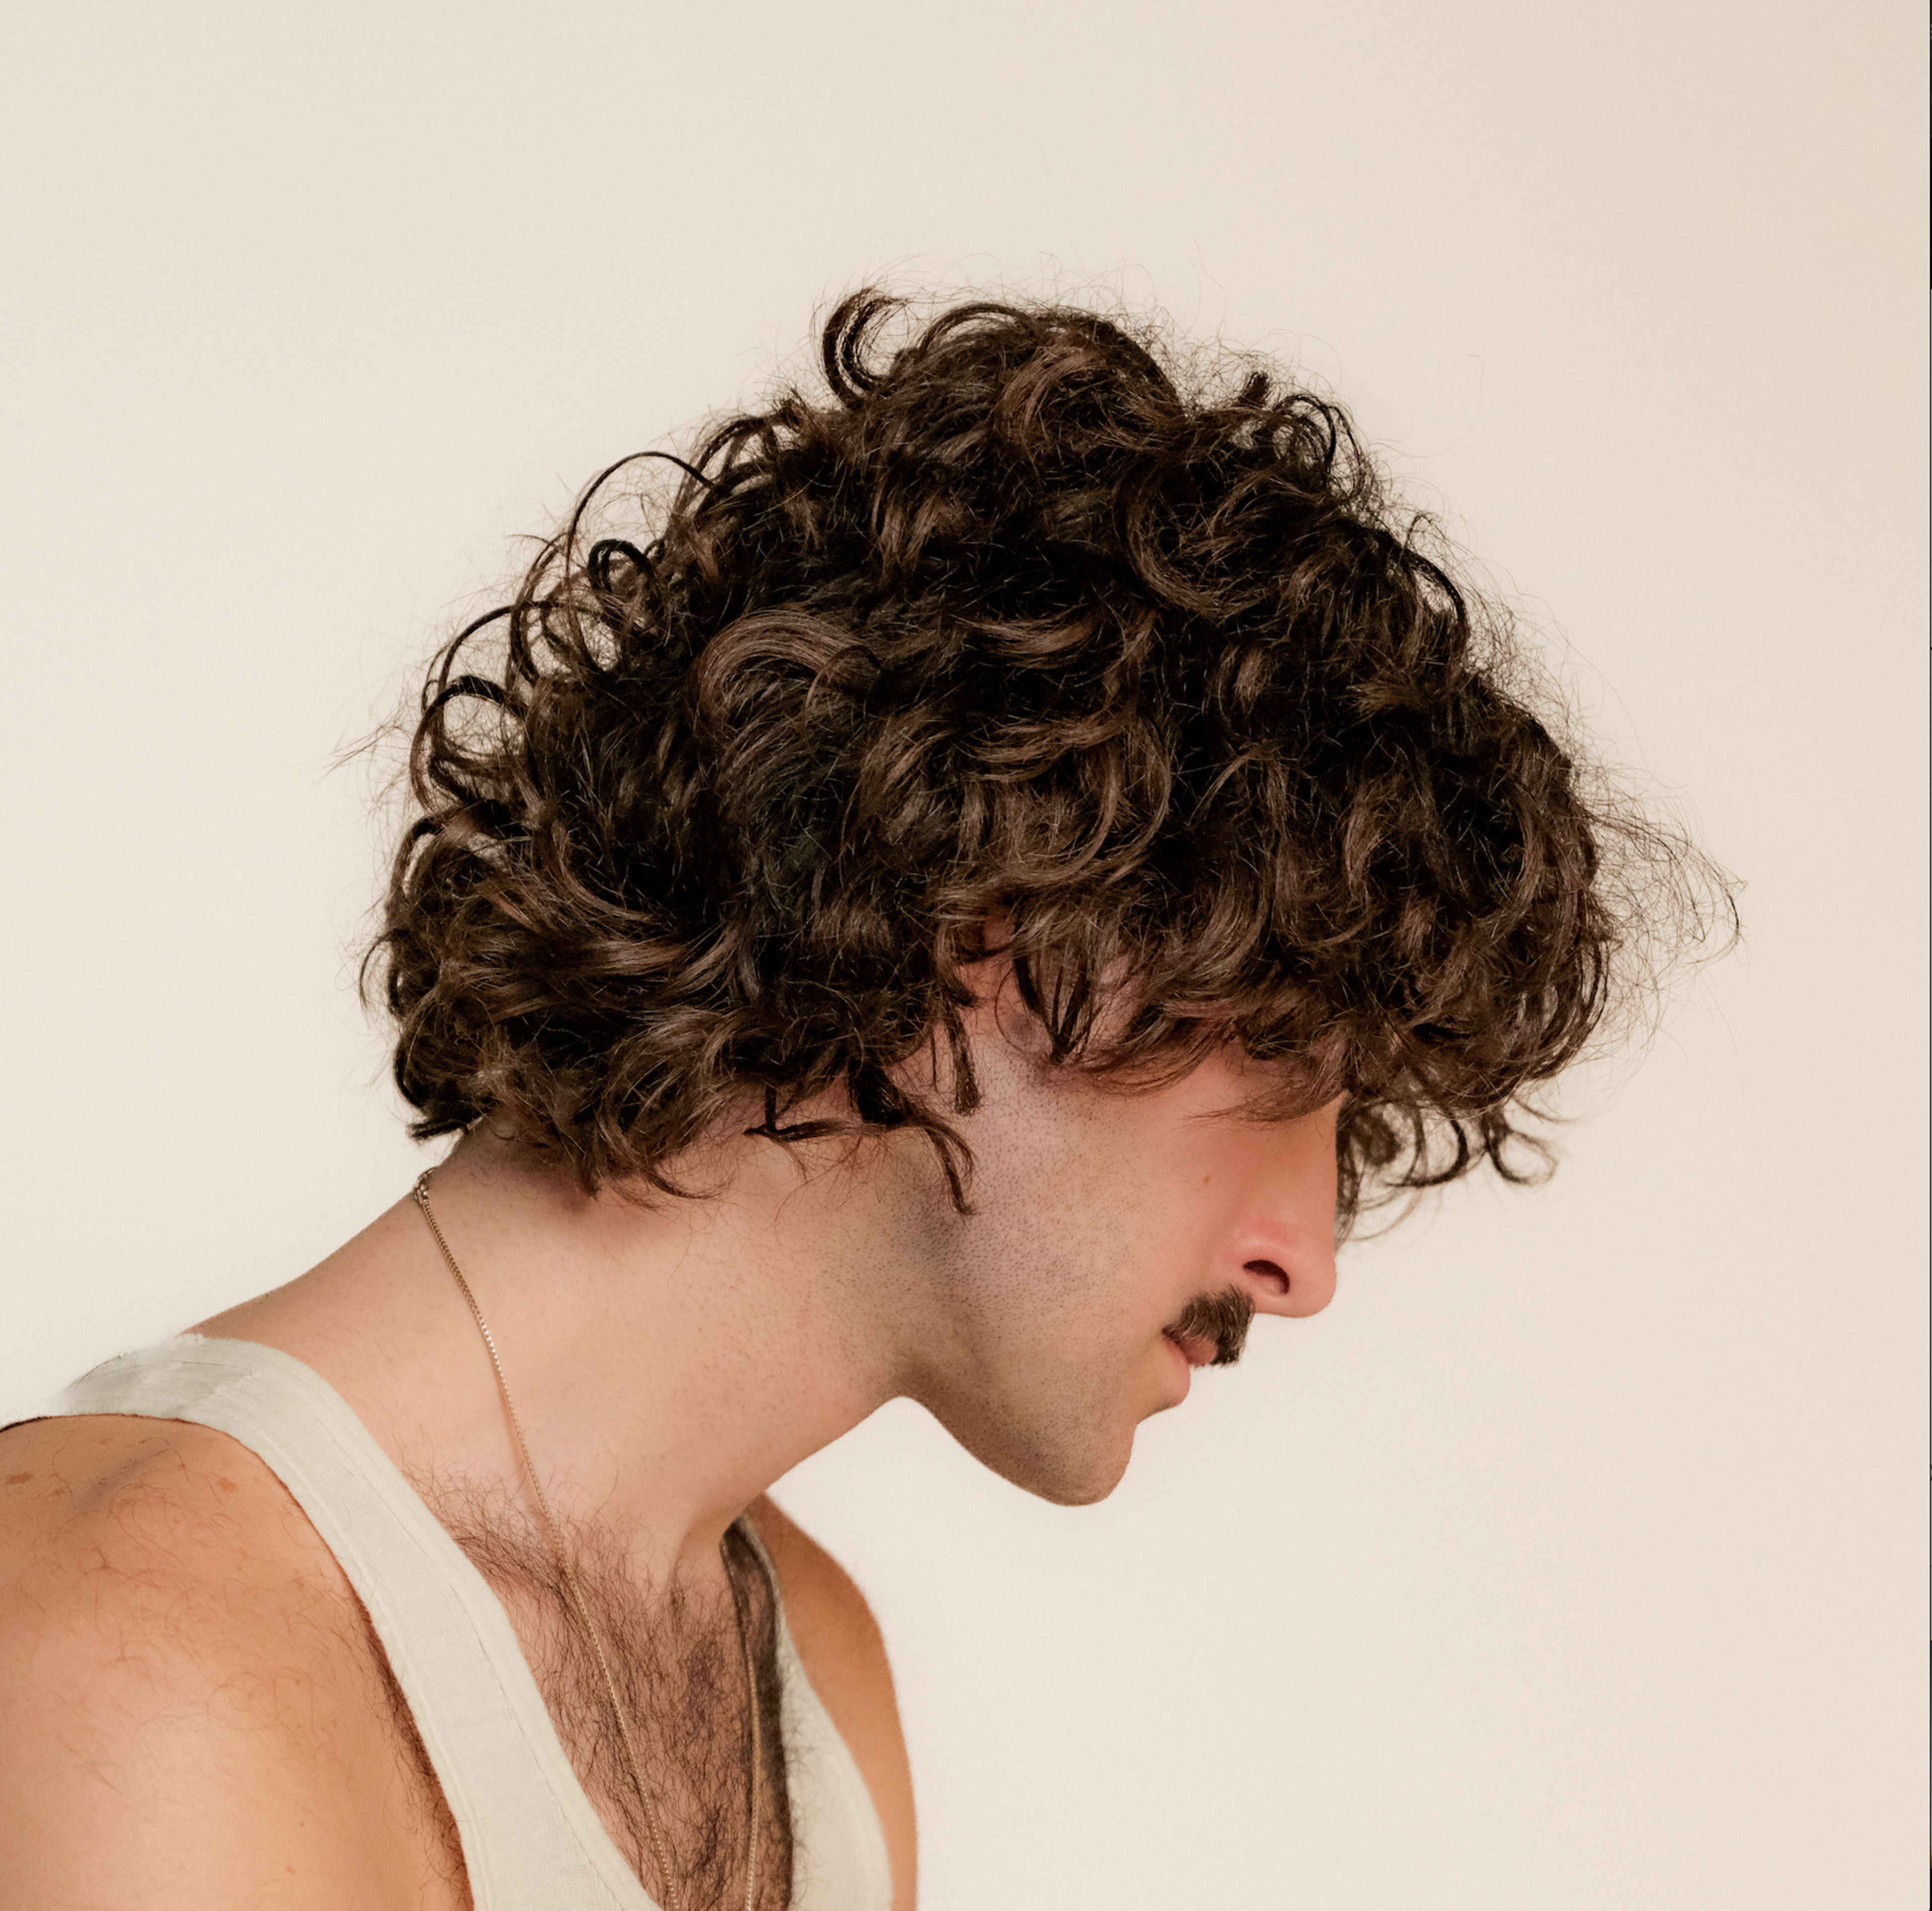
(1222, 1318)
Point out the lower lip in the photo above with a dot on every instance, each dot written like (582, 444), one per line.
(1180, 1360)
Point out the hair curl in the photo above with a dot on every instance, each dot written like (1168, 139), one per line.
(1012, 625)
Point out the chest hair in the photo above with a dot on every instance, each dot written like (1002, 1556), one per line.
(677, 1661)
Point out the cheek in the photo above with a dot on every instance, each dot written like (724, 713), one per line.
(1128, 1202)
(1196, 1183)
(1074, 1262)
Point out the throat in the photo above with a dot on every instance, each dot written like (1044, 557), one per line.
(676, 1654)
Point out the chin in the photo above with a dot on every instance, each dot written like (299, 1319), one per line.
(1064, 1477)
(1090, 1493)
(1069, 1448)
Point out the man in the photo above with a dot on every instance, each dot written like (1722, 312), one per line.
(968, 906)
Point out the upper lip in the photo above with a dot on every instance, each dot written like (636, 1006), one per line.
(1199, 1349)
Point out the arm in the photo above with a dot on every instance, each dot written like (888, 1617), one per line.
(839, 1640)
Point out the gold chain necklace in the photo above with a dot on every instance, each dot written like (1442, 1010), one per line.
(626, 1732)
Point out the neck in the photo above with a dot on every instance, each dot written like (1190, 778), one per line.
(668, 1360)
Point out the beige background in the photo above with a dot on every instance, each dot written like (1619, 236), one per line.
(1575, 1558)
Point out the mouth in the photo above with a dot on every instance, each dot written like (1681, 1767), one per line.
(1212, 1329)
(1198, 1350)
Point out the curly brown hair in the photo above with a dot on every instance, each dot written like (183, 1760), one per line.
(1014, 624)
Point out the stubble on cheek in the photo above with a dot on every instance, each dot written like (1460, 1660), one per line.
(1046, 1352)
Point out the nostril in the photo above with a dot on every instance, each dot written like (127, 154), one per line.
(1272, 1273)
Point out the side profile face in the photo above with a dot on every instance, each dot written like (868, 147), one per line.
(1118, 1238)
(1012, 619)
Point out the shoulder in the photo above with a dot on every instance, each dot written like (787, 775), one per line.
(170, 1542)
(184, 1712)
(845, 1655)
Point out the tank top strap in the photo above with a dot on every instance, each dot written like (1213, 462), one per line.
(839, 1858)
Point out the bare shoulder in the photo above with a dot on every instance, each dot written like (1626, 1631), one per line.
(187, 1703)
(844, 1653)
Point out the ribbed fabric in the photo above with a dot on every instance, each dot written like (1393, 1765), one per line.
(532, 1841)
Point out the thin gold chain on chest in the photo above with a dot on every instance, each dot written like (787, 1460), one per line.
(593, 1634)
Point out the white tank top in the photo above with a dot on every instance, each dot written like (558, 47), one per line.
(531, 1841)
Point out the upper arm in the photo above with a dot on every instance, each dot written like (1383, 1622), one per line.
(839, 1642)
(167, 1737)
(127, 1778)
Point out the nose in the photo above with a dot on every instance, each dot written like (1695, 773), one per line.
(1286, 1246)
(1295, 1278)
